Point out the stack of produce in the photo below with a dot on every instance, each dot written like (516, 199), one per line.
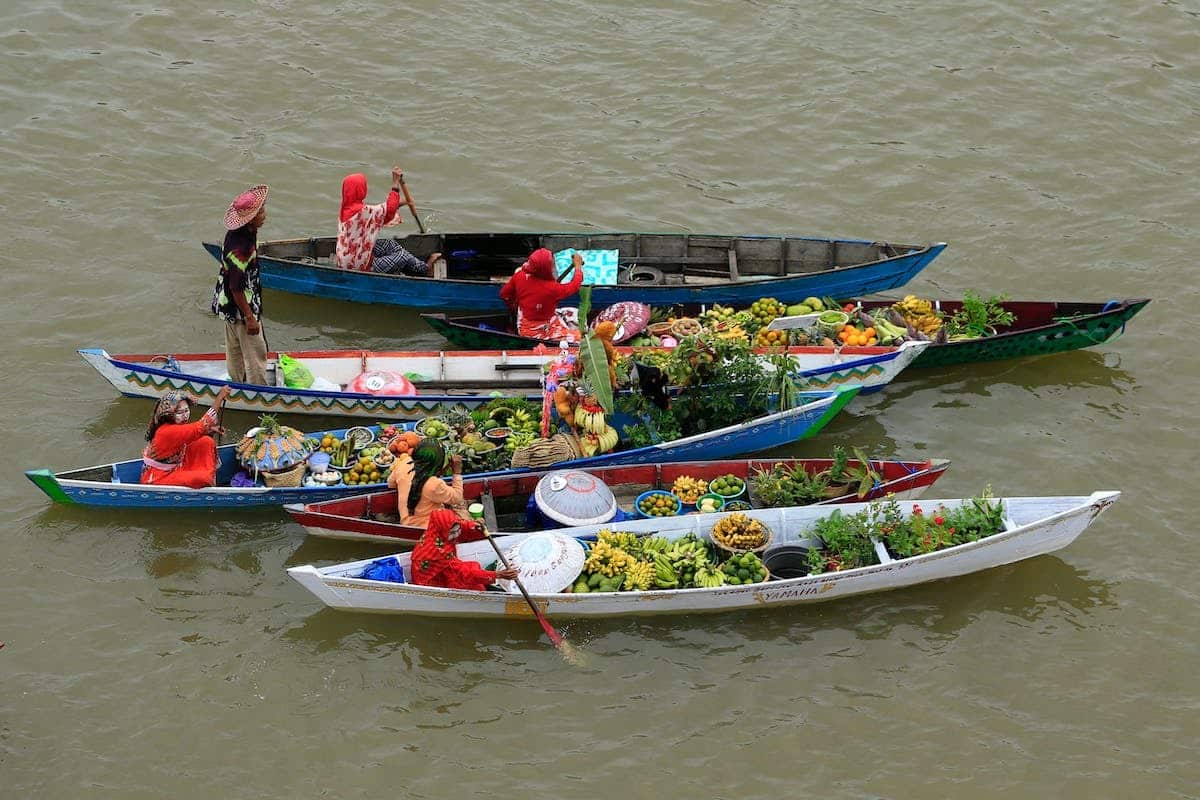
(765, 309)
(919, 314)
(404, 443)
(688, 489)
(659, 504)
(744, 568)
(273, 447)
(739, 532)
(810, 305)
(595, 434)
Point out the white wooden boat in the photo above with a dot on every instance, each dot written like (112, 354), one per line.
(444, 379)
(1033, 526)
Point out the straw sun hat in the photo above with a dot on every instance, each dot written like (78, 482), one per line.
(245, 207)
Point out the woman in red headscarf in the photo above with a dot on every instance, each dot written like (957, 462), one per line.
(435, 560)
(180, 452)
(359, 246)
(534, 291)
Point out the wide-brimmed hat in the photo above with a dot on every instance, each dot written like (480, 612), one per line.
(245, 207)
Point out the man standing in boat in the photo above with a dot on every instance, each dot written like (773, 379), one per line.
(237, 297)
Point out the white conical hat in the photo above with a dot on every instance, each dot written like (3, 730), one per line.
(572, 497)
(548, 562)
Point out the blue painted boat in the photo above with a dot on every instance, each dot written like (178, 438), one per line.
(661, 269)
(116, 485)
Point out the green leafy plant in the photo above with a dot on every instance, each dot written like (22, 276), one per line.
(977, 316)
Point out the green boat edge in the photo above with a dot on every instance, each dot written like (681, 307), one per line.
(44, 479)
(1073, 334)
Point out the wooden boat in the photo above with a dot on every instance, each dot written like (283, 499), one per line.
(655, 268)
(117, 484)
(372, 517)
(1033, 526)
(448, 379)
(1040, 328)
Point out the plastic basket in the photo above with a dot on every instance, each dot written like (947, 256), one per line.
(831, 328)
(657, 493)
(720, 502)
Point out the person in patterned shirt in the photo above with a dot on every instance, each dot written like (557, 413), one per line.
(237, 297)
(358, 245)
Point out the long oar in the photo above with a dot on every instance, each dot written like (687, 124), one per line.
(412, 206)
(564, 647)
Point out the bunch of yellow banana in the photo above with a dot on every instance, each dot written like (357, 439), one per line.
(589, 420)
(709, 576)
(919, 313)
(639, 577)
(737, 531)
(608, 560)
(688, 488)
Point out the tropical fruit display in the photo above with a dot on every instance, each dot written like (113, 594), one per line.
(688, 488)
(737, 532)
(744, 568)
(727, 485)
(919, 313)
(659, 504)
(766, 309)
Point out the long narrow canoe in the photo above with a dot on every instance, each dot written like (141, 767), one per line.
(655, 268)
(1033, 526)
(372, 517)
(448, 380)
(1040, 328)
(117, 484)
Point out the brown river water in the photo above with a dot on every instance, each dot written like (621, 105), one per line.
(1053, 146)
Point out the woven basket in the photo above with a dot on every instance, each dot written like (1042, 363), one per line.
(288, 478)
(542, 453)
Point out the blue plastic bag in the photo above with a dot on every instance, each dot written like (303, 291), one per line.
(384, 569)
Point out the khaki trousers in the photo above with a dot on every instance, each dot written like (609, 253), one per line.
(245, 355)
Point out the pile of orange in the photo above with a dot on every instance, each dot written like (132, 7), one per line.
(404, 443)
(854, 337)
(766, 338)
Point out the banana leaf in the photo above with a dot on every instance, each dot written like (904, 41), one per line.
(593, 355)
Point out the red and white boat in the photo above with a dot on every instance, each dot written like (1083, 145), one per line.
(372, 517)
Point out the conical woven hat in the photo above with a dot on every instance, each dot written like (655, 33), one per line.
(548, 562)
(573, 497)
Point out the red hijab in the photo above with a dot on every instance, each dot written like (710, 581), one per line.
(354, 191)
(541, 265)
(436, 553)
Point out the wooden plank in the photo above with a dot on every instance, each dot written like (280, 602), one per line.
(489, 510)
(733, 268)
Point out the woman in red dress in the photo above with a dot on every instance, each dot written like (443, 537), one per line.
(534, 291)
(180, 452)
(435, 560)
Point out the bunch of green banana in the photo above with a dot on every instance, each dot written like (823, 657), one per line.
(709, 576)
(654, 544)
(665, 576)
(888, 332)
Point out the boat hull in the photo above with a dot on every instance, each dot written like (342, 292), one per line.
(481, 374)
(90, 486)
(1036, 526)
(354, 518)
(1041, 328)
(283, 267)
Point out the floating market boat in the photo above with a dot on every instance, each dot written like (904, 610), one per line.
(1039, 328)
(117, 484)
(655, 268)
(440, 380)
(372, 517)
(1032, 526)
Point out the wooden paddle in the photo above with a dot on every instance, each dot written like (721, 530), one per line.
(564, 647)
(412, 206)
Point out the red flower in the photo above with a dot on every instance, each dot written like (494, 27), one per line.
(938, 520)
(917, 509)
